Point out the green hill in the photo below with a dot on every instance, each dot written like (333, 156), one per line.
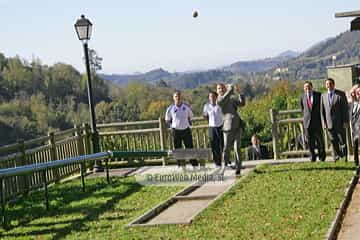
(312, 63)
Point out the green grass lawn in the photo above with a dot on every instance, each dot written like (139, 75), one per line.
(293, 201)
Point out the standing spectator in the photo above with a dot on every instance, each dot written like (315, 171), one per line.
(178, 116)
(354, 111)
(256, 151)
(232, 127)
(213, 114)
(335, 117)
(310, 106)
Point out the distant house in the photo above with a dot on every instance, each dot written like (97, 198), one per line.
(345, 76)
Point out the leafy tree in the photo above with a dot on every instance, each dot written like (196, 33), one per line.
(39, 110)
(155, 109)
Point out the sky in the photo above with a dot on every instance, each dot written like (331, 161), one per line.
(141, 35)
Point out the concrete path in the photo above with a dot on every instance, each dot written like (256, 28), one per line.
(350, 228)
(188, 206)
(119, 172)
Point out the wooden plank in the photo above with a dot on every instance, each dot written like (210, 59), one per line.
(348, 14)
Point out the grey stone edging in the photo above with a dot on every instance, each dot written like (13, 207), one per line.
(333, 231)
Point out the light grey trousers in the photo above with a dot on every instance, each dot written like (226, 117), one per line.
(232, 138)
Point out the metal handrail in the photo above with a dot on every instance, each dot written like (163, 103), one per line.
(22, 170)
(44, 167)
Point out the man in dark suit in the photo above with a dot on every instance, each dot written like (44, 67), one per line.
(354, 112)
(310, 106)
(256, 151)
(335, 117)
(229, 102)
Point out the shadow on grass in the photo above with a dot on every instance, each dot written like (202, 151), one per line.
(336, 168)
(63, 196)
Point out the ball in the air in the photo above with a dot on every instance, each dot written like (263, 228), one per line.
(195, 14)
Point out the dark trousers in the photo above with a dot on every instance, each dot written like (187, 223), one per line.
(183, 136)
(356, 151)
(338, 142)
(217, 143)
(315, 139)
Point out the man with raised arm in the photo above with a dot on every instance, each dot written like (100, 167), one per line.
(229, 102)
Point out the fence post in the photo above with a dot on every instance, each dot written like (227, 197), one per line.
(53, 154)
(24, 182)
(79, 141)
(80, 152)
(87, 143)
(87, 136)
(162, 127)
(274, 131)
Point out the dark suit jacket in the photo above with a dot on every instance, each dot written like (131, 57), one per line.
(335, 114)
(229, 104)
(312, 117)
(252, 154)
(355, 121)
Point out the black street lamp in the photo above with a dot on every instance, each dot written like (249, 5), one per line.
(83, 29)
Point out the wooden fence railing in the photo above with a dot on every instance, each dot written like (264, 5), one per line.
(147, 135)
(55, 146)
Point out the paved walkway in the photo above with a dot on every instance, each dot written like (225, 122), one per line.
(350, 228)
(190, 205)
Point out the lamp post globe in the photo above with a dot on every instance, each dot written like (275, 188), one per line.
(83, 28)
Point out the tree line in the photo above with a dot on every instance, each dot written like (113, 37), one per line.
(36, 99)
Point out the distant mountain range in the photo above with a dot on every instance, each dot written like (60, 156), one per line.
(123, 79)
(310, 64)
(193, 79)
(261, 65)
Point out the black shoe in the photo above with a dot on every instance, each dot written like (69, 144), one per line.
(237, 172)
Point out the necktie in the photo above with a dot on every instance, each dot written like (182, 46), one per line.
(309, 101)
(356, 108)
(330, 97)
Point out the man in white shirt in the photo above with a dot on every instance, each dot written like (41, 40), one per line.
(213, 114)
(178, 116)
